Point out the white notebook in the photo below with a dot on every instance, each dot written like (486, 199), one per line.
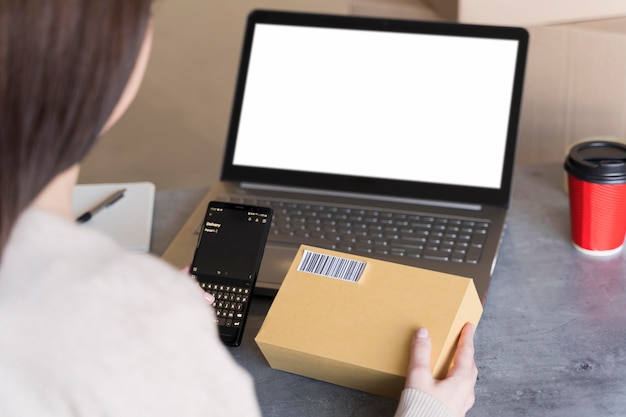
(128, 221)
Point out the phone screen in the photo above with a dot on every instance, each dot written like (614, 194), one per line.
(231, 242)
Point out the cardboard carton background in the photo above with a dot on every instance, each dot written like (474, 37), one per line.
(527, 12)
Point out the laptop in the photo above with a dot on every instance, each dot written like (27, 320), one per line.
(349, 126)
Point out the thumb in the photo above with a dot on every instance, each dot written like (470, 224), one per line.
(419, 362)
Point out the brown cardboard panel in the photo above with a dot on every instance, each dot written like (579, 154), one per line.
(575, 88)
(527, 12)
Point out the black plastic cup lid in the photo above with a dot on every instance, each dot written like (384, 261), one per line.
(599, 162)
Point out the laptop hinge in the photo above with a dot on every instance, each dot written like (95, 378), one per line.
(391, 199)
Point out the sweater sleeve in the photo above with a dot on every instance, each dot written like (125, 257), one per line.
(415, 403)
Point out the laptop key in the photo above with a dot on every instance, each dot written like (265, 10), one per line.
(363, 248)
(435, 255)
(473, 255)
(457, 257)
(407, 246)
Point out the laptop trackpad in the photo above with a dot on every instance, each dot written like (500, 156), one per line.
(276, 263)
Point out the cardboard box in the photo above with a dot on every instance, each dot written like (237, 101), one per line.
(527, 12)
(357, 334)
(575, 88)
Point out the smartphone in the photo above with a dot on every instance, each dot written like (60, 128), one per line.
(227, 259)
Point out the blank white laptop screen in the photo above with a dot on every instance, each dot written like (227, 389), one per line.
(377, 104)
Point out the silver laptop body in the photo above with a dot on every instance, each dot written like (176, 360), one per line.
(390, 123)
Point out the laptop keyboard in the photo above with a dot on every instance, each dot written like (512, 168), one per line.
(373, 232)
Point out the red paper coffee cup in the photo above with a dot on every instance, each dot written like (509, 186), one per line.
(597, 194)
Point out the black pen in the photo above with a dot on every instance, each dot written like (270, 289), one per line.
(107, 202)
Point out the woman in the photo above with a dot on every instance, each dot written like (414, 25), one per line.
(86, 328)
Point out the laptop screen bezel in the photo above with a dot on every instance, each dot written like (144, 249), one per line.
(394, 188)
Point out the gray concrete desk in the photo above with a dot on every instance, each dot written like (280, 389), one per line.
(552, 340)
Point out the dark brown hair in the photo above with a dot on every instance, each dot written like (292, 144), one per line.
(63, 67)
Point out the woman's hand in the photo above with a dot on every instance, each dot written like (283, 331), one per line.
(207, 297)
(456, 392)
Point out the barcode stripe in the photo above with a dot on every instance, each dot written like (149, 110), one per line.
(331, 266)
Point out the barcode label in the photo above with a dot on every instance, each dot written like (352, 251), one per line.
(331, 266)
